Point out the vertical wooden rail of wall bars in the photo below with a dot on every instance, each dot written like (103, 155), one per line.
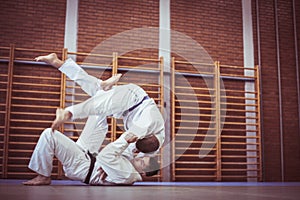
(257, 87)
(218, 120)
(2, 125)
(62, 105)
(161, 82)
(113, 120)
(8, 109)
(173, 118)
(162, 104)
(161, 97)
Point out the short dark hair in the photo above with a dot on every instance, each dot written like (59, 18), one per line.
(147, 144)
(153, 167)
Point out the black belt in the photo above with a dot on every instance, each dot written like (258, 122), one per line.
(133, 107)
(88, 176)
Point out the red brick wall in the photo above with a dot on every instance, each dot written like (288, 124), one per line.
(33, 24)
(271, 133)
(270, 91)
(100, 20)
(215, 25)
(291, 129)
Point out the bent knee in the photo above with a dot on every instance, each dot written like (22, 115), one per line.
(48, 132)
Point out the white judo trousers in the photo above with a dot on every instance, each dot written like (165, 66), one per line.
(73, 158)
(113, 102)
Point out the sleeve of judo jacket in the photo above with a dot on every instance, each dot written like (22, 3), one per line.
(117, 167)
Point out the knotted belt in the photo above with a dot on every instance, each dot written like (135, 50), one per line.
(133, 107)
(92, 165)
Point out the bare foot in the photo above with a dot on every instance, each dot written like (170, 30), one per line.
(50, 59)
(107, 84)
(61, 117)
(38, 180)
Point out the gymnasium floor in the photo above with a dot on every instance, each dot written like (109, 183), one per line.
(73, 190)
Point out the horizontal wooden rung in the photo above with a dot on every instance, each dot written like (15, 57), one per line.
(195, 169)
(26, 128)
(227, 97)
(20, 151)
(35, 91)
(195, 121)
(194, 108)
(239, 170)
(195, 148)
(238, 130)
(195, 135)
(195, 176)
(239, 110)
(24, 135)
(193, 128)
(239, 137)
(195, 142)
(138, 67)
(239, 176)
(72, 130)
(37, 85)
(240, 143)
(238, 156)
(35, 99)
(33, 113)
(193, 88)
(240, 104)
(193, 94)
(241, 123)
(238, 76)
(37, 77)
(194, 162)
(194, 155)
(238, 91)
(193, 101)
(23, 143)
(240, 117)
(33, 106)
(240, 163)
(239, 150)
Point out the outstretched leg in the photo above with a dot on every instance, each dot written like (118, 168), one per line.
(54, 61)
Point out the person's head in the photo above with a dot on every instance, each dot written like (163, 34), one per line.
(147, 144)
(146, 165)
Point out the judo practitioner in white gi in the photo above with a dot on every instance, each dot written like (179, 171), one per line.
(109, 166)
(94, 134)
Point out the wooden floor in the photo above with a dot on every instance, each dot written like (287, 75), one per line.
(13, 189)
